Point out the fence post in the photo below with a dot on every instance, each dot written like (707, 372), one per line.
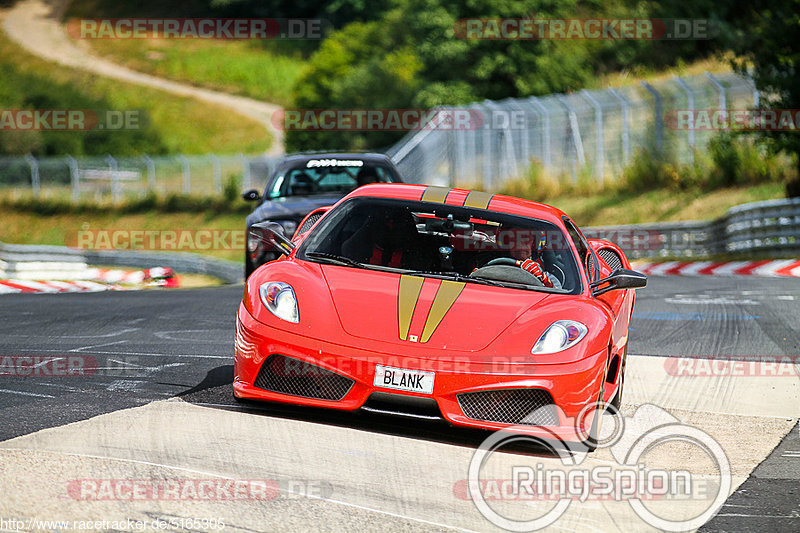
(74, 178)
(756, 94)
(576, 136)
(690, 101)
(459, 156)
(151, 173)
(598, 139)
(626, 127)
(547, 159)
(487, 145)
(34, 164)
(113, 168)
(721, 89)
(245, 172)
(659, 117)
(217, 173)
(187, 174)
(524, 140)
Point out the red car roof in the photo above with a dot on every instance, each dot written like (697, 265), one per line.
(458, 197)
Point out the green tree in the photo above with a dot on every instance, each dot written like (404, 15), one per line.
(767, 44)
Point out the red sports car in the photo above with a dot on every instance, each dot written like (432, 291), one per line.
(490, 311)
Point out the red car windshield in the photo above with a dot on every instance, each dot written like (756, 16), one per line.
(445, 241)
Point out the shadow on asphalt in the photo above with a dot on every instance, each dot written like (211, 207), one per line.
(215, 392)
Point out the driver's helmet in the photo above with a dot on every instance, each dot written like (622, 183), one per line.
(531, 247)
(301, 184)
(541, 243)
(366, 175)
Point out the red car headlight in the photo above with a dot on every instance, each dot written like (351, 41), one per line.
(280, 300)
(561, 335)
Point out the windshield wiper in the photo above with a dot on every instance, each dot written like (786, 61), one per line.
(474, 279)
(335, 259)
(454, 276)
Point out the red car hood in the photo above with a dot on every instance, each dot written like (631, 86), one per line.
(442, 315)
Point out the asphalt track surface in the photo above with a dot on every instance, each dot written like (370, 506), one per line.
(161, 345)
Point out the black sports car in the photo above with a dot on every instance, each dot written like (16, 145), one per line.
(304, 182)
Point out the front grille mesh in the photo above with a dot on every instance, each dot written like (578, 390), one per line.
(286, 375)
(510, 406)
(611, 257)
(310, 221)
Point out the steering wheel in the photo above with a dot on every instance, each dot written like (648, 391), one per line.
(559, 273)
(503, 261)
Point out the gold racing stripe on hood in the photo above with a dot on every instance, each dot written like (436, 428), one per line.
(407, 296)
(435, 194)
(446, 295)
(478, 199)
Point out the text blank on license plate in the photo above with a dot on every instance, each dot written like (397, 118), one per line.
(403, 379)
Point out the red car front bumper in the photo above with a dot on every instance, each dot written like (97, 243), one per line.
(573, 387)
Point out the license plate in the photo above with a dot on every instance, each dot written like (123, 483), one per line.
(403, 379)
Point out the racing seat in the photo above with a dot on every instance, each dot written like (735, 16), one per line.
(388, 239)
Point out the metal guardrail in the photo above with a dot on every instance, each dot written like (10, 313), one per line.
(16, 258)
(766, 229)
(769, 228)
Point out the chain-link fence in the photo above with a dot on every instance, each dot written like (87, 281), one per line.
(588, 134)
(592, 134)
(115, 178)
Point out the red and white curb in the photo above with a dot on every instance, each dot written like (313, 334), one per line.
(8, 286)
(102, 280)
(768, 268)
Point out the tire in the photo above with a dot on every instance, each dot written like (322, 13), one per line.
(591, 442)
(616, 402)
(248, 266)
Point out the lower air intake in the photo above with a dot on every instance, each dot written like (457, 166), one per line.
(510, 406)
(286, 375)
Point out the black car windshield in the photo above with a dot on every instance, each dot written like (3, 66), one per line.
(326, 176)
(443, 241)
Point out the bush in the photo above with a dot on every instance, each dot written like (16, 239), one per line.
(740, 160)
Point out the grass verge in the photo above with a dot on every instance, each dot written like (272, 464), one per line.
(183, 125)
(256, 69)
